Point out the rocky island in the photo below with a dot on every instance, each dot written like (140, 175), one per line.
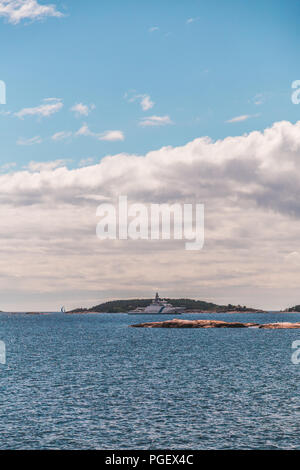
(179, 323)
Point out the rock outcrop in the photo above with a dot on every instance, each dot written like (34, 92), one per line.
(178, 323)
(282, 325)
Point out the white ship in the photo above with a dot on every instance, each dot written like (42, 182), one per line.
(157, 307)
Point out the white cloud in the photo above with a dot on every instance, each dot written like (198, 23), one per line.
(258, 99)
(192, 20)
(243, 117)
(84, 130)
(61, 135)
(112, 136)
(44, 110)
(52, 99)
(153, 28)
(17, 10)
(81, 109)
(151, 121)
(293, 257)
(144, 100)
(31, 141)
(37, 167)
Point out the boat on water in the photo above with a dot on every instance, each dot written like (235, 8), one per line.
(157, 307)
(63, 310)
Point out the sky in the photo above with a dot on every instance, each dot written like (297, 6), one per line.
(163, 102)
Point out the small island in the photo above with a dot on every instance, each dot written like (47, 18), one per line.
(179, 323)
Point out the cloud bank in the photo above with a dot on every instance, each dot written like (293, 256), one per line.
(249, 185)
(145, 100)
(111, 136)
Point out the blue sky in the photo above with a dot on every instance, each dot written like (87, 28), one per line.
(201, 63)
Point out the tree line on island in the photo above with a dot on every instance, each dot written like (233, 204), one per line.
(191, 305)
(293, 309)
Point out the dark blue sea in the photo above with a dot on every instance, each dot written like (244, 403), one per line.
(91, 382)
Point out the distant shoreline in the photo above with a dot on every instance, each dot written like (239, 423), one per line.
(184, 313)
(181, 305)
(198, 312)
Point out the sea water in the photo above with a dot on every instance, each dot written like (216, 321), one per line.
(91, 382)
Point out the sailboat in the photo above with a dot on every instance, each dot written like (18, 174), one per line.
(63, 310)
